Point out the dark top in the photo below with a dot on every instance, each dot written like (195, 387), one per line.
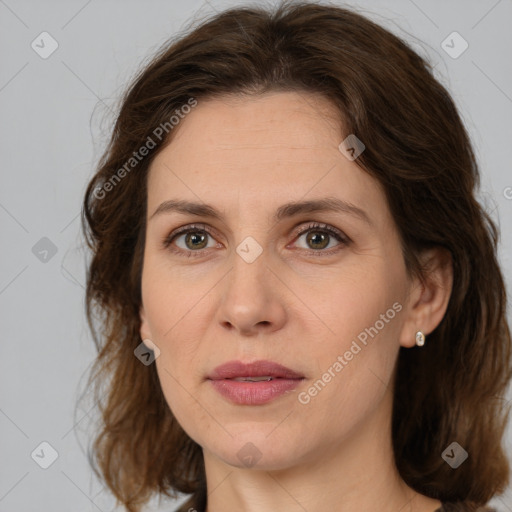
(463, 506)
(197, 502)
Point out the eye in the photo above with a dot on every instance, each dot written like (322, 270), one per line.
(192, 240)
(318, 237)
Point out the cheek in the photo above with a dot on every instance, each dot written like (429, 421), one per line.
(354, 369)
(177, 364)
(173, 307)
(179, 395)
(363, 314)
(354, 301)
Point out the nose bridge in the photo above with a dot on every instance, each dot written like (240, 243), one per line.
(251, 254)
(249, 274)
(250, 299)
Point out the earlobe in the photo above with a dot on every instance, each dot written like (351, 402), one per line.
(429, 298)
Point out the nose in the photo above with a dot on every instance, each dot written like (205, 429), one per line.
(252, 298)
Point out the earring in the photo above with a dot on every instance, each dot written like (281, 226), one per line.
(420, 339)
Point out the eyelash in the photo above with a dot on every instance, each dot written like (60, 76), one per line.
(314, 226)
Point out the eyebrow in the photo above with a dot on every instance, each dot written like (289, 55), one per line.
(327, 204)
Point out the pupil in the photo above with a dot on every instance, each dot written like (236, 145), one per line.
(321, 235)
(195, 237)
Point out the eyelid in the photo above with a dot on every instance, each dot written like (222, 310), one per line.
(320, 226)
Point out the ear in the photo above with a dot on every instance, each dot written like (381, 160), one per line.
(427, 301)
(145, 331)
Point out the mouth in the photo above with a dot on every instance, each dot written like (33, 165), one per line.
(254, 379)
(253, 372)
(255, 383)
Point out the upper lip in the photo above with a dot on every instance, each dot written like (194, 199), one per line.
(234, 369)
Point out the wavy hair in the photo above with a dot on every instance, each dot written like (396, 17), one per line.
(417, 148)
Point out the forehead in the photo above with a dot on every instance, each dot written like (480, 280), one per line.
(298, 125)
(267, 149)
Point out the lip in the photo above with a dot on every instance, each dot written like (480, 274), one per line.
(234, 369)
(253, 393)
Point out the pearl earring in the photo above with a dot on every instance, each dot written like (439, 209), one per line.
(420, 339)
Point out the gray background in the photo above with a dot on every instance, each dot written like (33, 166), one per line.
(56, 114)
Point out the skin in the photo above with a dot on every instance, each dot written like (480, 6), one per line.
(299, 304)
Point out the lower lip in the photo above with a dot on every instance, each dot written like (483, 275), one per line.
(254, 393)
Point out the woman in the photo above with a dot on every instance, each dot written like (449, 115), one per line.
(301, 305)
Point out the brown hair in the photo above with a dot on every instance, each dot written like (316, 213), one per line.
(451, 389)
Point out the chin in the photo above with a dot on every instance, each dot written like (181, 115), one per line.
(255, 449)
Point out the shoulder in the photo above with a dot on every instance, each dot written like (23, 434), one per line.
(196, 503)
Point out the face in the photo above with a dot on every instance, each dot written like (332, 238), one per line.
(321, 291)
